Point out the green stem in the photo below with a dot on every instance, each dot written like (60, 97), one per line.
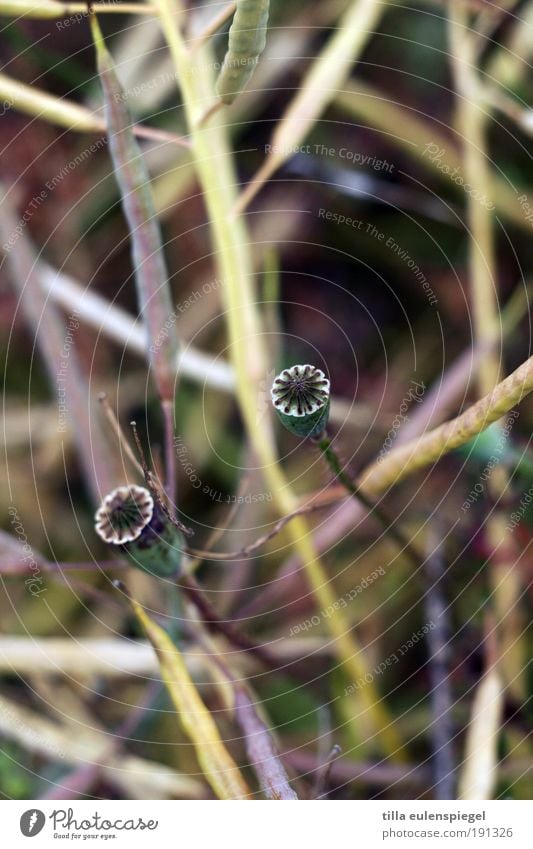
(213, 161)
(175, 613)
(333, 460)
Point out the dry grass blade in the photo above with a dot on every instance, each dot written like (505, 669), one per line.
(478, 774)
(219, 768)
(110, 658)
(472, 123)
(261, 750)
(318, 89)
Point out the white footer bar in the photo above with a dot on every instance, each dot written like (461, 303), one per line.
(253, 825)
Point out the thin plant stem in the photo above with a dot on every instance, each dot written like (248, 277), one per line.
(117, 324)
(246, 551)
(167, 407)
(214, 165)
(66, 113)
(115, 424)
(213, 26)
(325, 444)
(57, 9)
(260, 746)
(232, 635)
(432, 445)
(472, 115)
(439, 650)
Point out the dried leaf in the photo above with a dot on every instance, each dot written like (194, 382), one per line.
(153, 291)
(219, 768)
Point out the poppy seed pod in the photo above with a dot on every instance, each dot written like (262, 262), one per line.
(300, 396)
(128, 517)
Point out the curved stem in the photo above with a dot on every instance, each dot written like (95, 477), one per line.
(213, 161)
(325, 443)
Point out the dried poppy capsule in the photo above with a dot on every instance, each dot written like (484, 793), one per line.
(128, 517)
(300, 396)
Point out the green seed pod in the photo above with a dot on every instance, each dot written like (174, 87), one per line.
(300, 396)
(247, 39)
(129, 518)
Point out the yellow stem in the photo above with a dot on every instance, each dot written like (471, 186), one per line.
(432, 445)
(214, 165)
(46, 9)
(472, 117)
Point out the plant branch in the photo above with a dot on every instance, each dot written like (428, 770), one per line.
(333, 460)
(431, 446)
(213, 26)
(214, 164)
